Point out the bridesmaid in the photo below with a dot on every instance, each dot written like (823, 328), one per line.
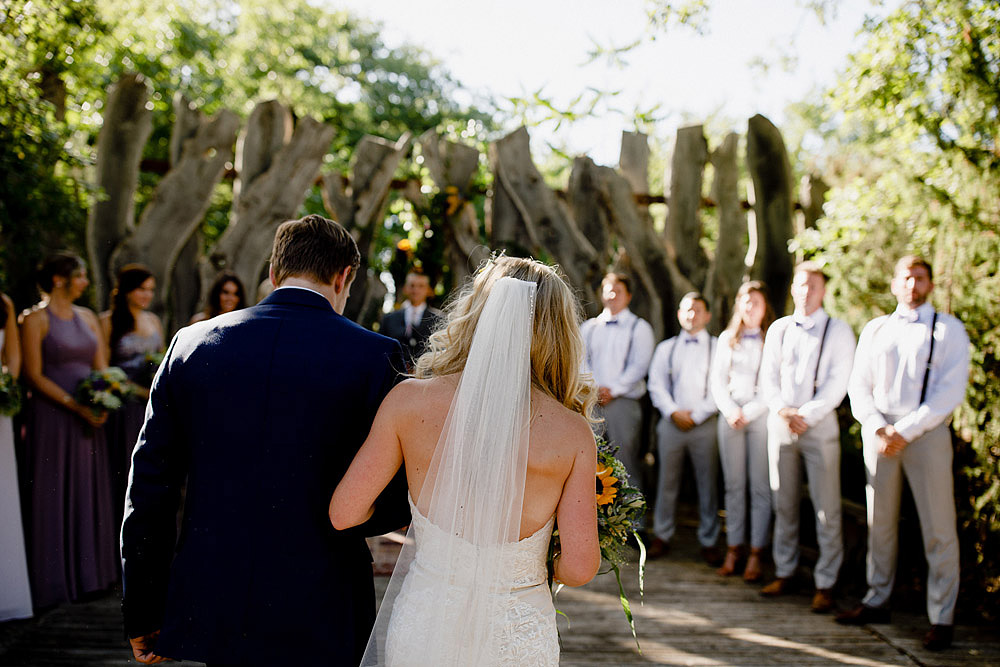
(15, 593)
(743, 429)
(73, 536)
(226, 295)
(131, 333)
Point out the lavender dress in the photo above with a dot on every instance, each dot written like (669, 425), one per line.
(72, 545)
(124, 425)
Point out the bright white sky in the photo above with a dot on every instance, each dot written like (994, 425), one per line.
(515, 47)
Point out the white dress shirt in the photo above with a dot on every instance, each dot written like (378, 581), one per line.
(790, 365)
(679, 375)
(413, 314)
(618, 351)
(735, 382)
(889, 371)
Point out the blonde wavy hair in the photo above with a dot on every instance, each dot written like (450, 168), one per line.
(556, 346)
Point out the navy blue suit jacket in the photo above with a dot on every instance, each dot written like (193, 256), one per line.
(260, 411)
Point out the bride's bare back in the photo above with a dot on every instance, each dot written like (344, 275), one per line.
(556, 436)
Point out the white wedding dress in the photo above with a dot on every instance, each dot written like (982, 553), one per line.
(466, 591)
(525, 620)
(15, 593)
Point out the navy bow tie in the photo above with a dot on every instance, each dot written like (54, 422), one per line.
(610, 322)
(690, 340)
(751, 336)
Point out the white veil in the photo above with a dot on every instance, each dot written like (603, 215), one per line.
(472, 499)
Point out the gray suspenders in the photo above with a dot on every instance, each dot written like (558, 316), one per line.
(628, 350)
(670, 365)
(819, 357)
(930, 358)
(930, 353)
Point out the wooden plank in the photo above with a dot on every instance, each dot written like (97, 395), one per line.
(689, 617)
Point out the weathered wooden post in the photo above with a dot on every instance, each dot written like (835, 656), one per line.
(683, 230)
(452, 166)
(358, 206)
(526, 216)
(275, 170)
(203, 146)
(767, 162)
(127, 126)
(728, 268)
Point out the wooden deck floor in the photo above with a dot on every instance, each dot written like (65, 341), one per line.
(690, 617)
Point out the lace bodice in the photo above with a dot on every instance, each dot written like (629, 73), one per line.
(524, 561)
(524, 624)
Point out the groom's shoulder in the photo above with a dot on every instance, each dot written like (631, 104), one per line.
(368, 337)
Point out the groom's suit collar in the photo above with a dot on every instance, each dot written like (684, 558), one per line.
(297, 296)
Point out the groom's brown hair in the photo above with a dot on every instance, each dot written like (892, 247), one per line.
(313, 247)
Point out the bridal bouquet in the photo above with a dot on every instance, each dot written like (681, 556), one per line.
(620, 508)
(104, 390)
(10, 394)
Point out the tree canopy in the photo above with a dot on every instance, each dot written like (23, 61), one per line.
(59, 58)
(913, 127)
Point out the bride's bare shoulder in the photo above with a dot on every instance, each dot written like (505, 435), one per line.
(423, 393)
(560, 424)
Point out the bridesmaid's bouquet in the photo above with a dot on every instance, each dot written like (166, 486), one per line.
(10, 394)
(104, 390)
(151, 364)
(620, 508)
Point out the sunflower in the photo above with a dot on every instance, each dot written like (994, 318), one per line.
(606, 489)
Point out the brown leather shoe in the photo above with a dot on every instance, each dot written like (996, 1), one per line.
(822, 601)
(657, 549)
(863, 615)
(779, 586)
(733, 555)
(712, 556)
(754, 569)
(939, 637)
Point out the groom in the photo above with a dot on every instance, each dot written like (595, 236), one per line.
(260, 412)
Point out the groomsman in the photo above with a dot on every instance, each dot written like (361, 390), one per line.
(413, 323)
(619, 345)
(804, 374)
(910, 373)
(679, 388)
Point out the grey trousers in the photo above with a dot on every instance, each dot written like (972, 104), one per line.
(743, 454)
(623, 425)
(819, 449)
(700, 444)
(926, 462)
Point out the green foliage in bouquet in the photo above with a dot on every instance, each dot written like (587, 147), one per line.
(151, 365)
(104, 390)
(10, 395)
(620, 509)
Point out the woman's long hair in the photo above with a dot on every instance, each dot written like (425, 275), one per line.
(556, 346)
(214, 306)
(130, 278)
(735, 326)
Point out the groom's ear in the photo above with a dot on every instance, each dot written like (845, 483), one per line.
(270, 275)
(343, 280)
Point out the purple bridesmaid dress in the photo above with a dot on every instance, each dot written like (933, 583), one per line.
(73, 539)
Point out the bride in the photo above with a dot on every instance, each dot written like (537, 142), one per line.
(494, 435)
